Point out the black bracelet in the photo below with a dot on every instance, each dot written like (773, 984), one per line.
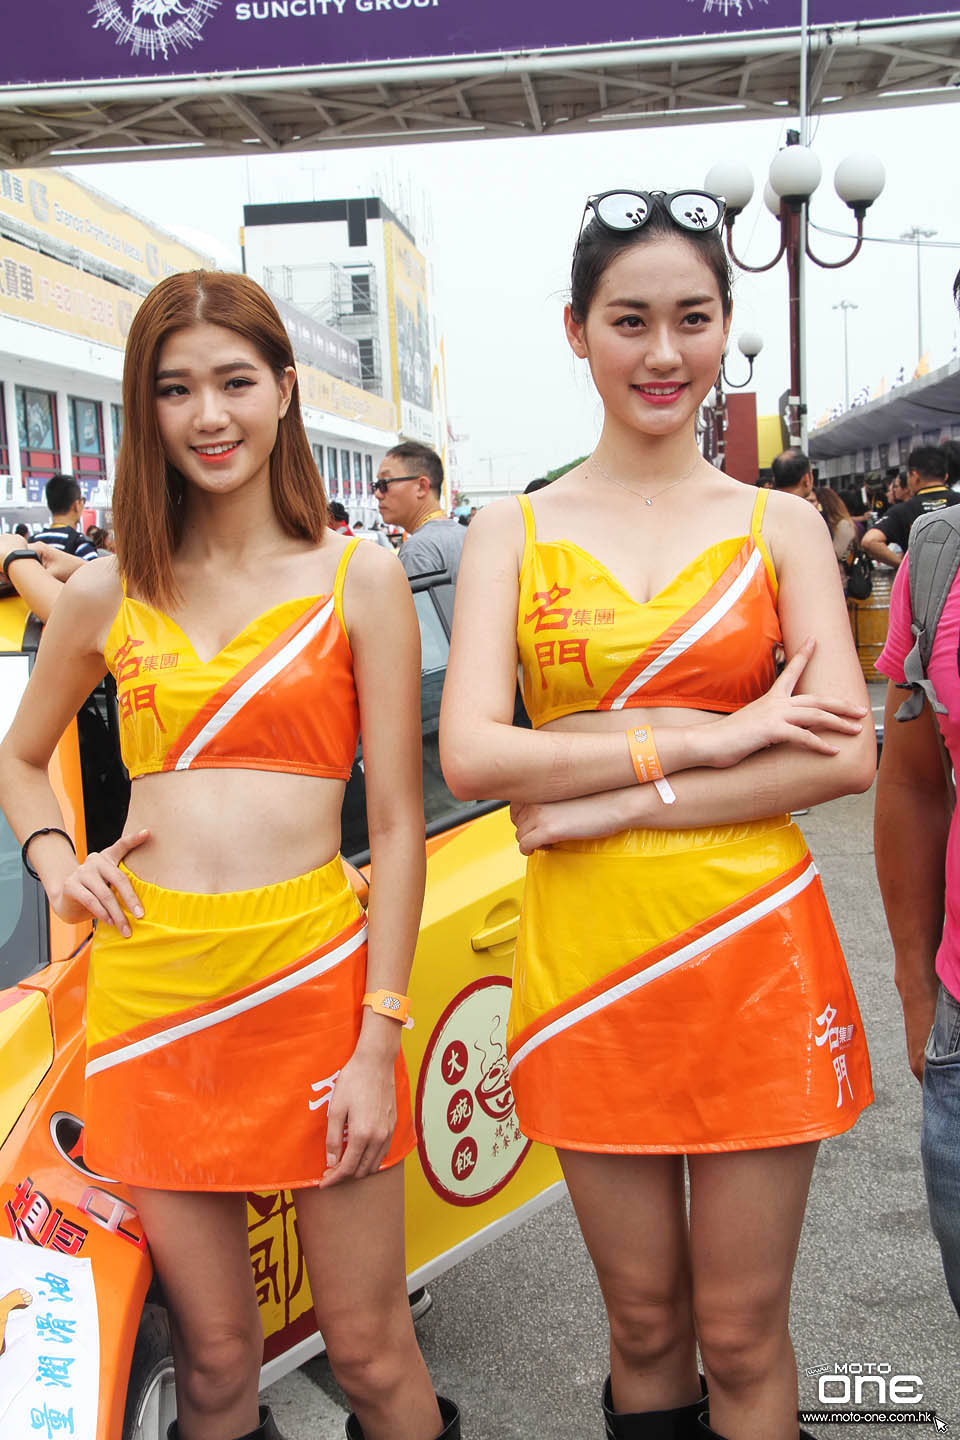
(47, 830)
(24, 554)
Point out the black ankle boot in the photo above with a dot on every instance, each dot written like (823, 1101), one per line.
(266, 1430)
(705, 1430)
(680, 1424)
(449, 1415)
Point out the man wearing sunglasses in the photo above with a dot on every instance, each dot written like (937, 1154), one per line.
(408, 487)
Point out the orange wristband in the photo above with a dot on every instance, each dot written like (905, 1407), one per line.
(646, 762)
(389, 1003)
(643, 753)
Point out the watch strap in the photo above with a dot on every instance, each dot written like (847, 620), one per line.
(23, 554)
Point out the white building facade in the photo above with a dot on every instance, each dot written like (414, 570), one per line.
(354, 265)
(74, 267)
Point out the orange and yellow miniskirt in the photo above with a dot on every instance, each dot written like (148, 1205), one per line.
(216, 1033)
(680, 992)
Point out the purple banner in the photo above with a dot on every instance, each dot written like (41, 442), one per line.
(50, 41)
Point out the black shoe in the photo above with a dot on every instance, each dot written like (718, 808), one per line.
(449, 1414)
(266, 1430)
(680, 1424)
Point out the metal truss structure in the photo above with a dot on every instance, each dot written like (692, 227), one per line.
(851, 67)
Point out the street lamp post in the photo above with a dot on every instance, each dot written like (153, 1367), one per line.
(794, 175)
(749, 344)
(916, 233)
(844, 306)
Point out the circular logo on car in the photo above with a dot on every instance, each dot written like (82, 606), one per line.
(469, 1141)
(154, 28)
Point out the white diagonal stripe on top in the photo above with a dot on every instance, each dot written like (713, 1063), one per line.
(668, 963)
(700, 627)
(234, 1007)
(256, 682)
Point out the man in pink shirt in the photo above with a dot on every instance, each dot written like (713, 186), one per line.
(918, 865)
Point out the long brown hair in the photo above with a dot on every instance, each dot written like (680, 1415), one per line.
(148, 492)
(833, 508)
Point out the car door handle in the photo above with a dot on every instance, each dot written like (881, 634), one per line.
(499, 934)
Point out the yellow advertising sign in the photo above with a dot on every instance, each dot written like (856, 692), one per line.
(47, 292)
(409, 313)
(52, 204)
(338, 397)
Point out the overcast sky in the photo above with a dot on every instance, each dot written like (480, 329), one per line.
(503, 216)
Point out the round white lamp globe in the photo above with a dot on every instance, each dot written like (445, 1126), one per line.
(859, 179)
(733, 181)
(795, 172)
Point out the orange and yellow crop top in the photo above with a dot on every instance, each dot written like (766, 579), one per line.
(706, 641)
(279, 696)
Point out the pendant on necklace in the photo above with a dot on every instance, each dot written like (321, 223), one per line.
(645, 500)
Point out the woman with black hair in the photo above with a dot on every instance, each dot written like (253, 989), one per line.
(679, 987)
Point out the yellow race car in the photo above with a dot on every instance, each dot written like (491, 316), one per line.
(84, 1342)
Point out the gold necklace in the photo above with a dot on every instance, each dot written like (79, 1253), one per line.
(647, 499)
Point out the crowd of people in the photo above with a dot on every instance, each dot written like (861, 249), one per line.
(873, 528)
(682, 1012)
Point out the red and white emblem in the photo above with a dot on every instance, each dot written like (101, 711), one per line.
(469, 1141)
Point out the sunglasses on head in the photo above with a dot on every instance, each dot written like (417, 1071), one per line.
(621, 210)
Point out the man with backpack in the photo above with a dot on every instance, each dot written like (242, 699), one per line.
(65, 503)
(917, 844)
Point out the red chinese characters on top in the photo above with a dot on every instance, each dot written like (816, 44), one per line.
(126, 663)
(139, 697)
(549, 615)
(562, 652)
(129, 667)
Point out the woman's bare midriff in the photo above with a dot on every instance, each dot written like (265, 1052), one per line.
(215, 830)
(596, 721)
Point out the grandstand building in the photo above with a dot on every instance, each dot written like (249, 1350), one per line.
(74, 267)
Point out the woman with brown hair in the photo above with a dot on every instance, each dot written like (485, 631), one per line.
(843, 532)
(243, 1013)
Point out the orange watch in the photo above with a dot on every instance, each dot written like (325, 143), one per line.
(389, 1003)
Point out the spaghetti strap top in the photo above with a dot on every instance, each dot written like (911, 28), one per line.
(707, 641)
(279, 696)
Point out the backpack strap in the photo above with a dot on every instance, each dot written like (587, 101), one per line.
(934, 562)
